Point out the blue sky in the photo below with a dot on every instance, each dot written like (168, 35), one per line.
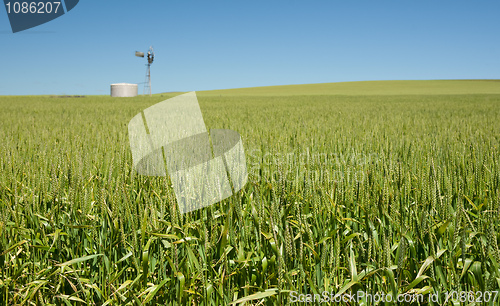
(204, 45)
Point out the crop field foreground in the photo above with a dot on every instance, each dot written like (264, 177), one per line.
(380, 187)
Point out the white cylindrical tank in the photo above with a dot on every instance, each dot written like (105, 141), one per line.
(123, 90)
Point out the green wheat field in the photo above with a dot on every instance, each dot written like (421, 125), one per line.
(384, 187)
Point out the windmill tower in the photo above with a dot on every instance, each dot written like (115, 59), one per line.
(150, 57)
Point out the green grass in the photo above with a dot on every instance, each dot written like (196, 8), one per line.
(377, 191)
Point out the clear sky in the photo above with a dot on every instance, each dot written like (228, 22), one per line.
(203, 45)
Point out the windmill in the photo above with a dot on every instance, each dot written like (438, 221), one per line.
(151, 57)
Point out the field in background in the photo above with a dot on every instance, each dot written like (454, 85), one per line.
(435, 87)
(388, 187)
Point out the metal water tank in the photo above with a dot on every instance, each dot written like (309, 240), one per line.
(123, 90)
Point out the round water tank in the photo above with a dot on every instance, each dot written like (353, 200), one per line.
(123, 90)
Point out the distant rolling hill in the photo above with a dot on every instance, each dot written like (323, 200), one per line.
(428, 87)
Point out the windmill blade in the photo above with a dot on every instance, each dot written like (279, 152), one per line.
(151, 55)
